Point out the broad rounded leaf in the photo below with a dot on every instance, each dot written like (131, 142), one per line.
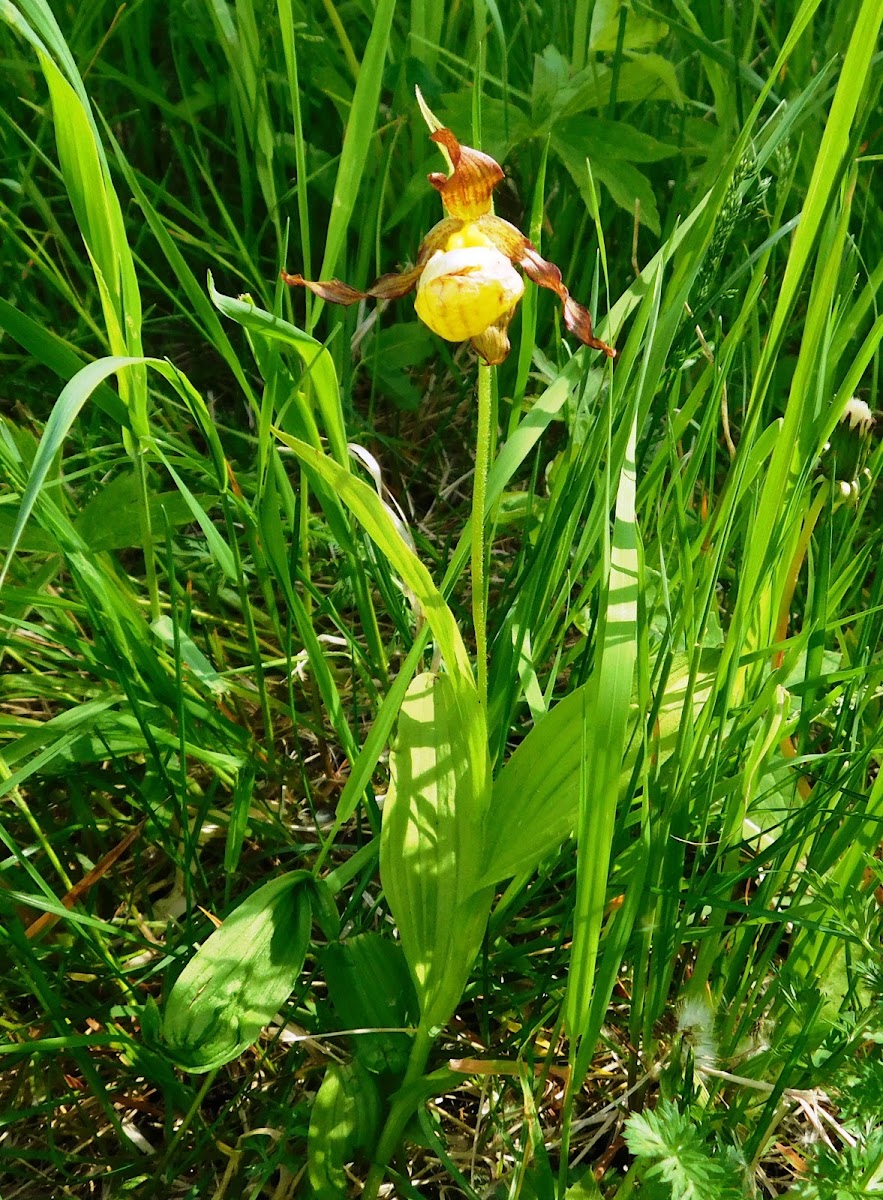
(240, 976)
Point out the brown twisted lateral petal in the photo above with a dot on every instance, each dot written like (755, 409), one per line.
(577, 318)
(512, 242)
(387, 287)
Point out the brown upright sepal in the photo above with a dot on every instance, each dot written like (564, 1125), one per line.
(466, 192)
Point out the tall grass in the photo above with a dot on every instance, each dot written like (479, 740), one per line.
(557, 875)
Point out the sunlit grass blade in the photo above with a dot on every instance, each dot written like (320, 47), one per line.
(604, 728)
(358, 139)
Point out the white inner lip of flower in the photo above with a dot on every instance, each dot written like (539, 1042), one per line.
(464, 291)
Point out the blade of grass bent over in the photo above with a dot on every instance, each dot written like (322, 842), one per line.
(72, 398)
(367, 507)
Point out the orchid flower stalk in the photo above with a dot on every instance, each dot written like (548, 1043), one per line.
(468, 289)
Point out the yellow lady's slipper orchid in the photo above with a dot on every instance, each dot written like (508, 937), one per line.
(467, 285)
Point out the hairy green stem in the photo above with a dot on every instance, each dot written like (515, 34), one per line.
(147, 532)
(479, 491)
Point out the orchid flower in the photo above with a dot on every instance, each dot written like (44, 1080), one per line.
(467, 285)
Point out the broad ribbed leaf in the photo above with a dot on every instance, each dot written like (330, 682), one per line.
(431, 840)
(370, 988)
(240, 976)
(344, 1119)
(536, 796)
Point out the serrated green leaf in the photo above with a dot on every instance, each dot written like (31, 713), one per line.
(639, 30)
(584, 1189)
(33, 540)
(675, 1152)
(604, 139)
(622, 179)
(112, 518)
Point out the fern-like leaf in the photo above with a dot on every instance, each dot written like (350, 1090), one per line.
(672, 1149)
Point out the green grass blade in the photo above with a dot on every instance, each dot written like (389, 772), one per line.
(367, 507)
(315, 357)
(47, 348)
(357, 140)
(67, 407)
(605, 726)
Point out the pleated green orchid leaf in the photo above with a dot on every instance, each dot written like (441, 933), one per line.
(240, 976)
(344, 1119)
(431, 839)
(372, 994)
(536, 796)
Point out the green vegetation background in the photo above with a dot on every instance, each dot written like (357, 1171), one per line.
(202, 645)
